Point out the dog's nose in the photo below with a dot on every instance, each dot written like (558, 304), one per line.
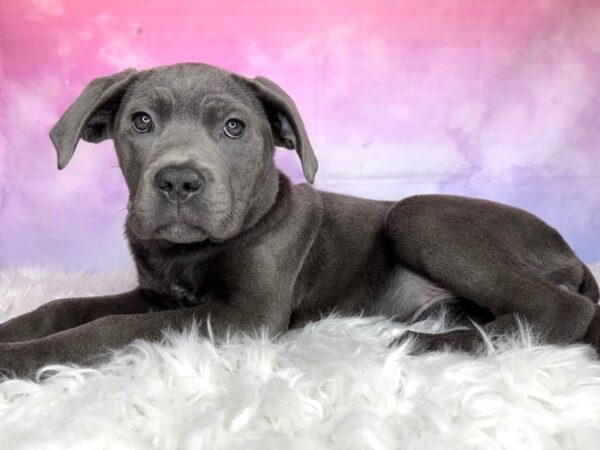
(179, 184)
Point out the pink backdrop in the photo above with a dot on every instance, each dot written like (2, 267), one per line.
(497, 99)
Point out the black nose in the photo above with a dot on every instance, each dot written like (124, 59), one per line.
(179, 184)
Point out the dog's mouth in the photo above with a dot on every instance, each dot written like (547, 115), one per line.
(180, 229)
(175, 231)
(209, 218)
(180, 233)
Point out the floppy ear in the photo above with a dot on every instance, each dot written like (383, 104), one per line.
(92, 115)
(286, 123)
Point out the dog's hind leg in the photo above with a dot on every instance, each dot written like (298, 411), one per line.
(566, 320)
(501, 258)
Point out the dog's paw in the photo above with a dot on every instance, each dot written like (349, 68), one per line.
(14, 361)
(417, 342)
(457, 340)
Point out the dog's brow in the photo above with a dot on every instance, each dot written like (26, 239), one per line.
(163, 97)
(220, 99)
(169, 94)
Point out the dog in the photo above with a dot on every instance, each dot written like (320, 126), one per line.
(220, 236)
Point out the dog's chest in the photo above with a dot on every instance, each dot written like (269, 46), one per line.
(194, 288)
(407, 295)
(184, 285)
(182, 294)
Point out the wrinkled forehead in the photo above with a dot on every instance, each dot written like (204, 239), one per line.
(189, 87)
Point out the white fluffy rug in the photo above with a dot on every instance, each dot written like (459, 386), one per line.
(333, 384)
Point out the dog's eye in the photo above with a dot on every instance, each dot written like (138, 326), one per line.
(142, 122)
(234, 128)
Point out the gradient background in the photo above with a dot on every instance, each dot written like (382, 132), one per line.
(489, 98)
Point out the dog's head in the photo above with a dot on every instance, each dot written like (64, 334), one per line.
(195, 144)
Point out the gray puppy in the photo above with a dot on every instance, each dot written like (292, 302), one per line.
(217, 231)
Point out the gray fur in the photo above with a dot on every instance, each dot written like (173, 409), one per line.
(251, 250)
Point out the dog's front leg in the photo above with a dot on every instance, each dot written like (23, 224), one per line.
(62, 314)
(88, 343)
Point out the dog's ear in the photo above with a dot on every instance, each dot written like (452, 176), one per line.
(286, 123)
(92, 115)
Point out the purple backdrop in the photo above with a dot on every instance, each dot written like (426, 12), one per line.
(496, 99)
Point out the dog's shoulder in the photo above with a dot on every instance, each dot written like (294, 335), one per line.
(343, 207)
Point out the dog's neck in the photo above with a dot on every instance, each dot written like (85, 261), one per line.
(266, 192)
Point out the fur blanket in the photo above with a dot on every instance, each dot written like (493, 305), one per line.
(333, 384)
